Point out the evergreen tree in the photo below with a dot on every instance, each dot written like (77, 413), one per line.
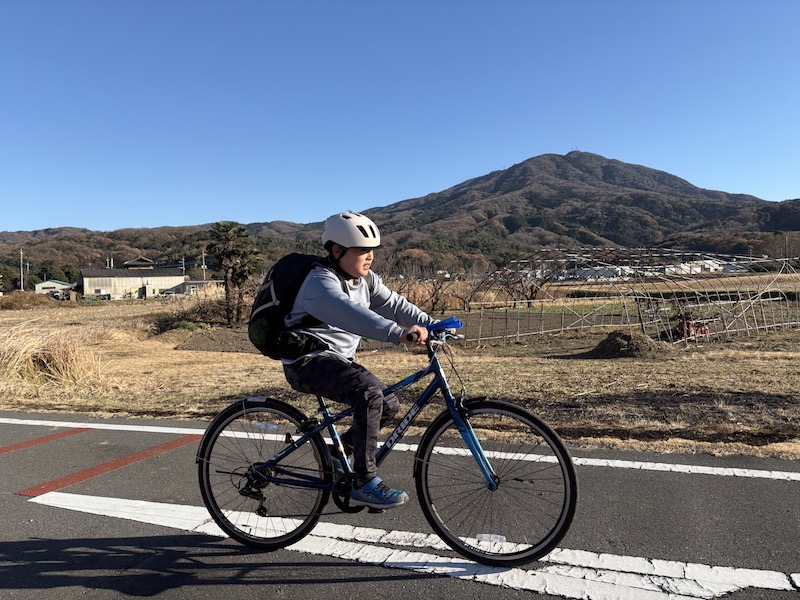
(232, 247)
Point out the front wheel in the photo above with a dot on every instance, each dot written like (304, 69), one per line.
(261, 507)
(533, 504)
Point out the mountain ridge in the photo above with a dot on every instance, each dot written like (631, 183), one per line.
(575, 199)
(583, 198)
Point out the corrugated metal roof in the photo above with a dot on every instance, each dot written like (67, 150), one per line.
(58, 281)
(131, 273)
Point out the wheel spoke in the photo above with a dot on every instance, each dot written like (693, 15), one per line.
(532, 507)
(239, 496)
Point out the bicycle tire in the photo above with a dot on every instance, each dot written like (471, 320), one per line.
(246, 506)
(534, 503)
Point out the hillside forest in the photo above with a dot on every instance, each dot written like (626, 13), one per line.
(575, 200)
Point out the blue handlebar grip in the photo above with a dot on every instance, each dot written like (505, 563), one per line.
(448, 323)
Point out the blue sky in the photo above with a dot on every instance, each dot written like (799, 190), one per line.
(144, 113)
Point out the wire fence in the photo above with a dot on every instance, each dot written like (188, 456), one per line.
(677, 304)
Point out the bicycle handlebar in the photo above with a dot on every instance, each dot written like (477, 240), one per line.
(448, 323)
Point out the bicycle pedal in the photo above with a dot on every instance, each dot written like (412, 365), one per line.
(376, 510)
(309, 424)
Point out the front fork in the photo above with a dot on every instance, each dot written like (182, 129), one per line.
(461, 419)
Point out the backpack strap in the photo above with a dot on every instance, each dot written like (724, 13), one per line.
(308, 320)
(331, 266)
(273, 301)
(371, 283)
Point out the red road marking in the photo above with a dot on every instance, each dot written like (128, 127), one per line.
(62, 482)
(41, 440)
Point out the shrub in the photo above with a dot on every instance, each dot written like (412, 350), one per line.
(189, 325)
(25, 301)
(205, 308)
(38, 357)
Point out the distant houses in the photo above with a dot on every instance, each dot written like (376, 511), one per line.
(119, 284)
(54, 288)
(140, 278)
(611, 272)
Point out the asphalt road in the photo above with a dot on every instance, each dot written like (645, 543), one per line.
(111, 508)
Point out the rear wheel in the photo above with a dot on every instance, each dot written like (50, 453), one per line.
(256, 506)
(533, 505)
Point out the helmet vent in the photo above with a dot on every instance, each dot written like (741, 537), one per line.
(351, 229)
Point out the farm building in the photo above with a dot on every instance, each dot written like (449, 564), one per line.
(52, 287)
(118, 284)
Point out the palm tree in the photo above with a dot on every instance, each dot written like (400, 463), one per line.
(237, 256)
(247, 266)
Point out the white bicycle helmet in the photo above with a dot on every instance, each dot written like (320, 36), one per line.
(351, 230)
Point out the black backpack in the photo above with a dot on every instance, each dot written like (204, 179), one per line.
(275, 298)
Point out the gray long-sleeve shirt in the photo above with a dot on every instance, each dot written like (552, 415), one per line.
(368, 309)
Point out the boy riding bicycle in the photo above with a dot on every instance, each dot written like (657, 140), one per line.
(366, 309)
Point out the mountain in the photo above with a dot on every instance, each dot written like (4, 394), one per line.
(578, 199)
(583, 199)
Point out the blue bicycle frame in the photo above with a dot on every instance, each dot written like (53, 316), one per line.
(439, 382)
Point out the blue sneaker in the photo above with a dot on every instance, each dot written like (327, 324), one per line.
(376, 494)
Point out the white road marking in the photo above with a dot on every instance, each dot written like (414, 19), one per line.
(585, 462)
(106, 426)
(688, 469)
(566, 573)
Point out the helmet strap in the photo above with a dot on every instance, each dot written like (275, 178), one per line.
(335, 261)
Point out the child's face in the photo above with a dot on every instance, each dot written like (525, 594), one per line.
(357, 261)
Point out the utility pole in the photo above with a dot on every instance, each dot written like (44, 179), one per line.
(203, 266)
(183, 265)
(21, 273)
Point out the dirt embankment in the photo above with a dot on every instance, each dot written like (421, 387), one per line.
(222, 339)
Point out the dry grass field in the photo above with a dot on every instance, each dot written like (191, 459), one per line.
(122, 358)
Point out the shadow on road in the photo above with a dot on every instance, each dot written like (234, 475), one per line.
(145, 566)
